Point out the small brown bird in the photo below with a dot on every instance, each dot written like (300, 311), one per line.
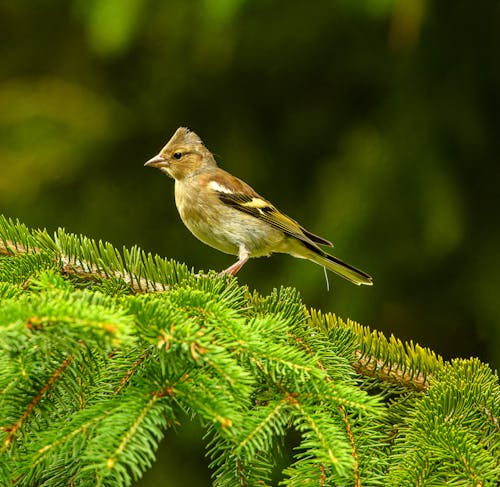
(227, 214)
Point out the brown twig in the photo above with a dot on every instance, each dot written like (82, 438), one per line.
(393, 373)
(86, 271)
(12, 430)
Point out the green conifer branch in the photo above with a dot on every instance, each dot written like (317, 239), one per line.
(102, 351)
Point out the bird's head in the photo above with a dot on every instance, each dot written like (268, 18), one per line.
(183, 156)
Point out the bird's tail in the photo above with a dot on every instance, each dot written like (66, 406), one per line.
(344, 270)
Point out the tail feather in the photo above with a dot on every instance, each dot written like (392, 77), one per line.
(316, 238)
(344, 270)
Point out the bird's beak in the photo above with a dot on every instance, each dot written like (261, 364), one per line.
(157, 161)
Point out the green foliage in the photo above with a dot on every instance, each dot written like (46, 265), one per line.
(103, 351)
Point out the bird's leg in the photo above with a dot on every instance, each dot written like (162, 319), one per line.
(233, 269)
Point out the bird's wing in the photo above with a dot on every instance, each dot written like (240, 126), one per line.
(237, 194)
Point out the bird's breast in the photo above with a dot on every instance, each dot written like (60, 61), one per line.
(222, 226)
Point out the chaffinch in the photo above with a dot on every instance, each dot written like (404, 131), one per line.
(227, 214)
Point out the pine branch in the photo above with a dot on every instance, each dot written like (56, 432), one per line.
(86, 259)
(96, 364)
(387, 360)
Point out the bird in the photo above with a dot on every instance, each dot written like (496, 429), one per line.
(227, 214)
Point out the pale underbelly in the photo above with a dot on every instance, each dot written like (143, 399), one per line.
(228, 234)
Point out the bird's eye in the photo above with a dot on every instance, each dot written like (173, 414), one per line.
(177, 155)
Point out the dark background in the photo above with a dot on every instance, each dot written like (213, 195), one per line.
(374, 123)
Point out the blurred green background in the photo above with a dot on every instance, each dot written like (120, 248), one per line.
(375, 123)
